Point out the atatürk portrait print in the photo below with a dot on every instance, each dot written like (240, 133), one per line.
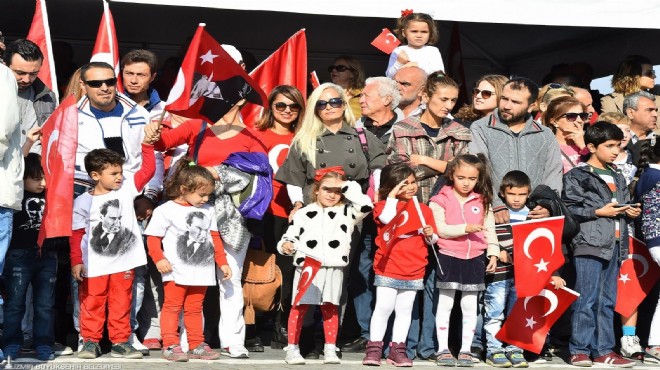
(109, 237)
(194, 246)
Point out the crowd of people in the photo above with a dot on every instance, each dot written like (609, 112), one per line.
(160, 212)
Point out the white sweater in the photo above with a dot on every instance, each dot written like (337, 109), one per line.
(427, 58)
(11, 169)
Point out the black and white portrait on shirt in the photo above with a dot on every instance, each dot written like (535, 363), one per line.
(109, 237)
(194, 247)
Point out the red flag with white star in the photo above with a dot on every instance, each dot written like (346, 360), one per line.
(106, 48)
(210, 82)
(309, 269)
(537, 253)
(637, 276)
(406, 221)
(386, 41)
(532, 317)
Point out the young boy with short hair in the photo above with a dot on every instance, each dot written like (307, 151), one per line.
(596, 194)
(106, 246)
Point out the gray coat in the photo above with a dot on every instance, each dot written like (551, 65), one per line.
(43, 104)
(534, 151)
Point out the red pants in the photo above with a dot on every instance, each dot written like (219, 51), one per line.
(330, 322)
(186, 298)
(114, 291)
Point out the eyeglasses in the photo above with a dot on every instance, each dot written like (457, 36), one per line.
(650, 73)
(572, 117)
(486, 94)
(338, 68)
(334, 102)
(98, 83)
(281, 107)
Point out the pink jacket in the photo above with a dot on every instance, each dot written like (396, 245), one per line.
(463, 245)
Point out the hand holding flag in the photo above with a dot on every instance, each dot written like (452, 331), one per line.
(386, 41)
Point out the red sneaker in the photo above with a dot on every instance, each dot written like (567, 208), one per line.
(613, 359)
(152, 344)
(581, 360)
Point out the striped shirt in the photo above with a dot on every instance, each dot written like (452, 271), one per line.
(504, 271)
(609, 176)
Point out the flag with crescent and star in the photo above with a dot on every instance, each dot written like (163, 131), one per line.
(637, 276)
(532, 317)
(386, 41)
(405, 222)
(106, 48)
(309, 269)
(537, 253)
(59, 139)
(210, 82)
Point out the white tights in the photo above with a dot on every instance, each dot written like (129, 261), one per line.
(388, 300)
(469, 311)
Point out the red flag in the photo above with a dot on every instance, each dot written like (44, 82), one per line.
(637, 276)
(314, 79)
(309, 269)
(106, 48)
(286, 66)
(386, 41)
(405, 222)
(59, 138)
(532, 317)
(536, 252)
(40, 35)
(210, 82)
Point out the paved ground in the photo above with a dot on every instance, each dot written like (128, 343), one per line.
(270, 359)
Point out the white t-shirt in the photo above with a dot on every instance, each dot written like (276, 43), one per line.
(187, 242)
(112, 241)
(427, 58)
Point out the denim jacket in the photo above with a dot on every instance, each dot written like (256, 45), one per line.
(583, 193)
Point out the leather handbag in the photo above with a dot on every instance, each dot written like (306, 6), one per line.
(262, 279)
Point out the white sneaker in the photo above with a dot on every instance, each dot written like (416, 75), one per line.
(630, 346)
(293, 356)
(60, 349)
(80, 343)
(235, 351)
(135, 342)
(330, 354)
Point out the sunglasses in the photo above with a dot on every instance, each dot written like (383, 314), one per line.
(98, 83)
(338, 68)
(334, 102)
(572, 117)
(486, 94)
(281, 107)
(650, 73)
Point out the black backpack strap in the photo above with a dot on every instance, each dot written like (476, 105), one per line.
(198, 140)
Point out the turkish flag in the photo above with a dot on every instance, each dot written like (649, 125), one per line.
(286, 66)
(637, 276)
(105, 47)
(210, 82)
(314, 79)
(406, 221)
(309, 269)
(386, 41)
(537, 253)
(531, 318)
(59, 138)
(40, 35)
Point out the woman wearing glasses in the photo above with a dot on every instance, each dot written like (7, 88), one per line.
(485, 97)
(635, 73)
(566, 116)
(547, 94)
(277, 127)
(348, 73)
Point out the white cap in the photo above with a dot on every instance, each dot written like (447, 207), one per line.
(233, 52)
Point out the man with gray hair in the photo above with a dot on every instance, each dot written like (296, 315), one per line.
(643, 113)
(411, 81)
(378, 103)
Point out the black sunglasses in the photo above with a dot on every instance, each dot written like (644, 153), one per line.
(486, 94)
(334, 102)
(572, 117)
(281, 107)
(98, 83)
(338, 68)
(650, 73)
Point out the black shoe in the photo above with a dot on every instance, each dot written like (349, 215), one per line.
(432, 357)
(314, 354)
(358, 345)
(280, 338)
(254, 345)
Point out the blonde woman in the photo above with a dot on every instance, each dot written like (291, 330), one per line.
(547, 94)
(635, 73)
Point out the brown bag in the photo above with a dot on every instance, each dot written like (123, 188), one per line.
(261, 280)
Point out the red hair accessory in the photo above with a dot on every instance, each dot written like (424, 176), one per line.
(324, 171)
(406, 12)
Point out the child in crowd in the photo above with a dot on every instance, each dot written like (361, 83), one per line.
(466, 224)
(648, 192)
(399, 268)
(624, 161)
(106, 246)
(26, 264)
(596, 194)
(186, 227)
(322, 230)
(417, 32)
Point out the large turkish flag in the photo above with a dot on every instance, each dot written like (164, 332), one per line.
(637, 276)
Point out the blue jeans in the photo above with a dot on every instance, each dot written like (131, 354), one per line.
(593, 312)
(499, 297)
(362, 278)
(6, 221)
(424, 343)
(24, 266)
